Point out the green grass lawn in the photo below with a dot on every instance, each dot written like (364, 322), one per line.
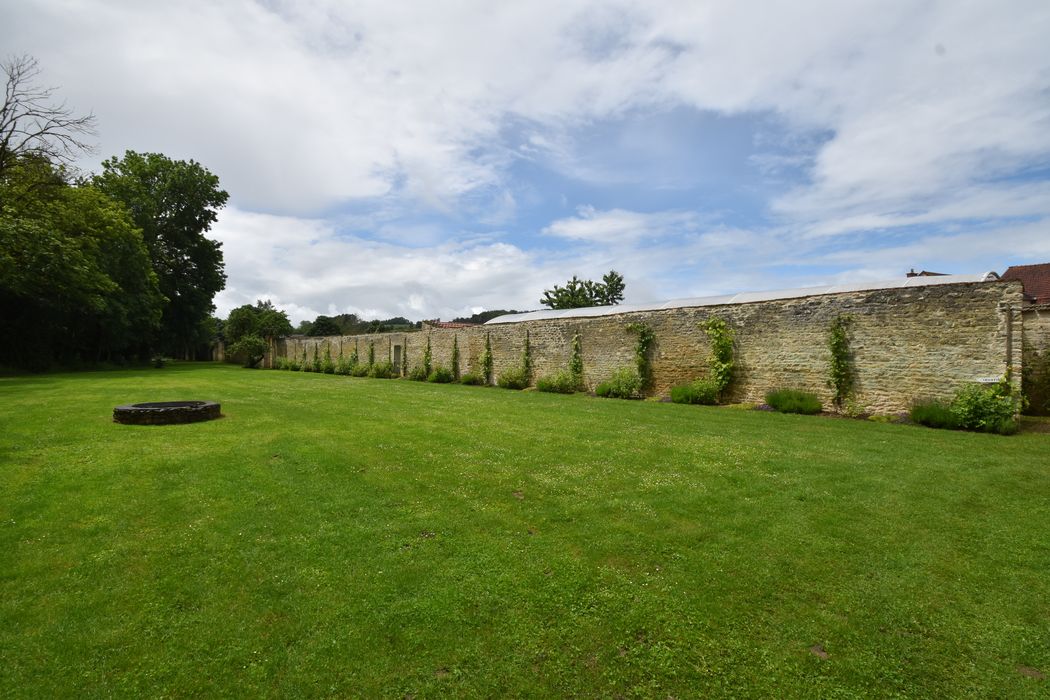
(333, 536)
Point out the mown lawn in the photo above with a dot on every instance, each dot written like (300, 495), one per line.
(353, 537)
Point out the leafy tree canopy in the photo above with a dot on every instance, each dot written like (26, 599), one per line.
(324, 325)
(579, 293)
(76, 282)
(175, 203)
(261, 319)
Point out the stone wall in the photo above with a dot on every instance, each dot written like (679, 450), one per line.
(1036, 358)
(908, 343)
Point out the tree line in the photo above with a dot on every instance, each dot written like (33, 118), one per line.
(112, 266)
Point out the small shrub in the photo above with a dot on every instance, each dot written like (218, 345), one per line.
(987, 409)
(293, 365)
(701, 391)
(934, 414)
(280, 363)
(327, 366)
(158, 361)
(382, 370)
(304, 364)
(418, 374)
(440, 375)
(315, 366)
(794, 401)
(472, 379)
(625, 383)
(515, 378)
(359, 371)
(564, 382)
(343, 366)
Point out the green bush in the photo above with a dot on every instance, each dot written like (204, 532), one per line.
(293, 365)
(343, 366)
(382, 370)
(327, 366)
(564, 382)
(251, 349)
(515, 378)
(794, 401)
(418, 374)
(280, 363)
(625, 383)
(987, 409)
(440, 375)
(934, 414)
(359, 371)
(701, 391)
(472, 379)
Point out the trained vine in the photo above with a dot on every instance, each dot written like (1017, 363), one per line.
(576, 361)
(526, 358)
(646, 336)
(840, 368)
(455, 357)
(486, 359)
(721, 361)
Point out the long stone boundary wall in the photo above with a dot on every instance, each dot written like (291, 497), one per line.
(908, 343)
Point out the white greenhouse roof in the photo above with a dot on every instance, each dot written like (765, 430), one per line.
(743, 297)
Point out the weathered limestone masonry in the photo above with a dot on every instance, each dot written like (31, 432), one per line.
(908, 343)
(1036, 357)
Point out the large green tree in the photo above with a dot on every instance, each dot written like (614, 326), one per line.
(76, 283)
(251, 330)
(324, 326)
(175, 203)
(579, 293)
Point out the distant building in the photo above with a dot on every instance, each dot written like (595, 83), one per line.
(926, 273)
(1035, 278)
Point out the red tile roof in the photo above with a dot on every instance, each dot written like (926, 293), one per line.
(1035, 278)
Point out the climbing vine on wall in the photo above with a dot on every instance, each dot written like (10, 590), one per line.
(355, 357)
(721, 361)
(371, 353)
(646, 336)
(455, 357)
(576, 360)
(840, 368)
(486, 359)
(428, 358)
(526, 358)
(404, 358)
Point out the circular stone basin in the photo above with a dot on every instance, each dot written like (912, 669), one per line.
(166, 412)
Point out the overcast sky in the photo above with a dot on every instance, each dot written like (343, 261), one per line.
(433, 159)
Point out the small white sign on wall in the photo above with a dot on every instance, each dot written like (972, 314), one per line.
(987, 380)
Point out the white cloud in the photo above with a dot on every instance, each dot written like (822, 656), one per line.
(621, 226)
(929, 114)
(306, 267)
